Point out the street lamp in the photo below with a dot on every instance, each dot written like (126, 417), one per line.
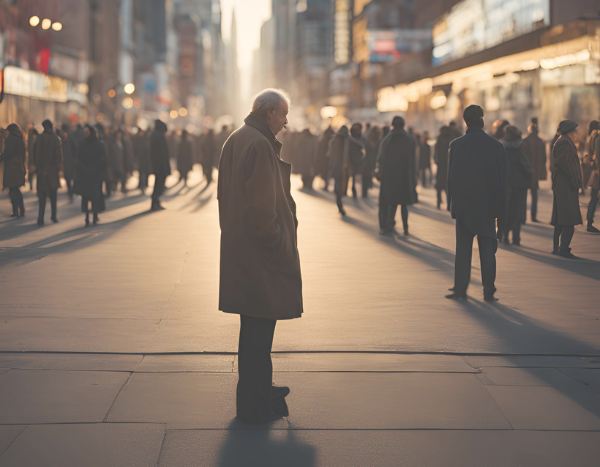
(46, 23)
(129, 88)
(57, 26)
(183, 112)
(174, 113)
(34, 21)
(112, 93)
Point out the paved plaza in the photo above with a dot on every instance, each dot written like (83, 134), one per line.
(113, 351)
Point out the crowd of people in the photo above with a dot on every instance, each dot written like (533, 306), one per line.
(398, 159)
(96, 162)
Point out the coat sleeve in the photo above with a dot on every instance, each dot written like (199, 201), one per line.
(563, 164)
(502, 168)
(261, 197)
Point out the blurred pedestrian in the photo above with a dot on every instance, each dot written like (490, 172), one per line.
(455, 132)
(260, 265)
(161, 165)
(141, 151)
(209, 155)
(477, 186)
(322, 159)
(49, 159)
(32, 135)
(371, 141)
(92, 163)
(306, 161)
(425, 160)
(396, 171)
(69, 148)
(356, 156)
(440, 157)
(339, 164)
(498, 129)
(591, 171)
(566, 183)
(519, 178)
(184, 157)
(13, 157)
(534, 148)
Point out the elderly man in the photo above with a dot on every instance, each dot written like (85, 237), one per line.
(260, 266)
(477, 188)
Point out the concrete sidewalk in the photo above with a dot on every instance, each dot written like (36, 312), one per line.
(346, 409)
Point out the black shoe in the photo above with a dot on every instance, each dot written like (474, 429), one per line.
(280, 407)
(279, 392)
(516, 242)
(490, 298)
(87, 222)
(534, 219)
(386, 231)
(342, 212)
(567, 254)
(406, 231)
(592, 229)
(456, 295)
(40, 222)
(14, 214)
(55, 220)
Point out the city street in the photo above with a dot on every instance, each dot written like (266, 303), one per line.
(113, 351)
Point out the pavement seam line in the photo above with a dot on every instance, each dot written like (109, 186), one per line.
(12, 442)
(162, 445)
(105, 419)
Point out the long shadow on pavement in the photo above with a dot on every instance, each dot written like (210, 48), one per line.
(258, 446)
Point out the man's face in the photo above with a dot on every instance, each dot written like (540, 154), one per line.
(277, 118)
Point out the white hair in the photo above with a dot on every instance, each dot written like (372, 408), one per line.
(269, 99)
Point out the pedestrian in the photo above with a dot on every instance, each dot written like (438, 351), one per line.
(49, 159)
(260, 265)
(161, 165)
(396, 172)
(519, 178)
(425, 159)
(566, 183)
(184, 157)
(92, 163)
(454, 131)
(591, 171)
(141, 151)
(69, 147)
(339, 165)
(116, 161)
(103, 138)
(498, 129)
(534, 148)
(306, 160)
(355, 160)
(371, 141)
(209, 151)
(32, 135)
(13, 178)
(322, 159)
(477, 186)
(440, 157)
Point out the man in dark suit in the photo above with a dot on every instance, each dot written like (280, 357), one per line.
(477, 187)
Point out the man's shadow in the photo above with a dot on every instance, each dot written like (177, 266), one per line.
(259, 446)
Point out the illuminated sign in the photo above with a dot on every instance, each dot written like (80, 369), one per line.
(26, 83)
(342, 47)
(475, 25)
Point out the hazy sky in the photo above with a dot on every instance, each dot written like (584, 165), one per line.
(250, 15)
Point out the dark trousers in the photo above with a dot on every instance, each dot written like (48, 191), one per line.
(255, 368)
(85, 207)
(52, 194)
(425, 177)
(516, 211)
(387, 216)
(534, 203)
(464, 255)
(159, 188)
(69, 187)
(563, 234)
(16, 199)
(143, 184)
(339, 192)
(592, 206)
(439, 197)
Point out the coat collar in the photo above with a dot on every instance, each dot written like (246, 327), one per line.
(261, 126)
(475, 130)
